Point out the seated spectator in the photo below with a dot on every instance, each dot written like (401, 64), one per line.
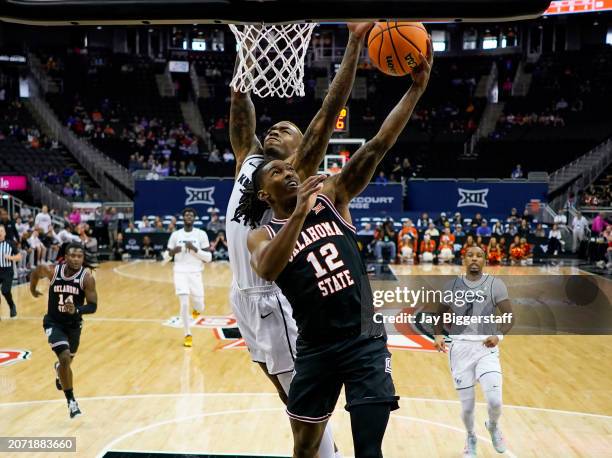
(427, 249)
(131, 229)
(560, 218)
(442, 220)
(494, 252)
(407, 241)
(517, 172)
(215, 225)
(214, 156)
(424, 221)
(75, 217)
(476, 222)
(555, 240)
(459, 232)
(527, 216)
(228, 156)
(381, 178)
(524, 229)
(513, 217)
(483, 230)
(119, 249)
(385, 238)
(191, 169)
(512, 229)
(366, 230)
(498, 229)
(480, 243)
(21, 226)
(457, 219)
(539, 231)
(37, 246)
(432, 230)
(219, 247)
(148, 251)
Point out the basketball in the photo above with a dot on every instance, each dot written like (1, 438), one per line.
(394, 46)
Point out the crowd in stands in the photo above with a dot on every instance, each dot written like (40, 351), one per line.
(446, 239)
(16, 125)
(39, 237)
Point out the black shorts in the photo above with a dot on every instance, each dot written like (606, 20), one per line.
(362, 364)
(62, 336)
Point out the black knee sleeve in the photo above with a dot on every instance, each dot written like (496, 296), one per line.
(369, 422)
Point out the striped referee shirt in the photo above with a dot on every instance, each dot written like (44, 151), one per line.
(10, 248)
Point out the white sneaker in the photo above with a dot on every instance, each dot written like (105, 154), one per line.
(73, 408)
(496, 438)
(470, 446)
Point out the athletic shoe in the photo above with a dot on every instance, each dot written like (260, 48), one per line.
(188, 342)
(58, 384)
(13, 311)
(470, 446)
(195, 314)
(73, 408)
(496, 438)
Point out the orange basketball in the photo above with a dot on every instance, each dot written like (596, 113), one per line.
(394, 46)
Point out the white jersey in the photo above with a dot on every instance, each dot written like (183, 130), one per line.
(237, 231)
(187, 261)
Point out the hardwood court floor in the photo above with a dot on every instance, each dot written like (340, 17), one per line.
(139, 389)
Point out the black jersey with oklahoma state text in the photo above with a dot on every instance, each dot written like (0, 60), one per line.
(62, 289)
(325, 280)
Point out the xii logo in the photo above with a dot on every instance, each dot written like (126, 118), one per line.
(473, 197)
(203, 196)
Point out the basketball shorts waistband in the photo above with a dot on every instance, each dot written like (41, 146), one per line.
(268, 290)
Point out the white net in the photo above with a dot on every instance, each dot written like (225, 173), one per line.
(271, 58)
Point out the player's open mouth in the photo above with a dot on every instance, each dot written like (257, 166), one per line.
(292, 184)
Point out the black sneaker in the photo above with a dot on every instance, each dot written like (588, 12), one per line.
(58, 384)
(73, 408)
(13, 311)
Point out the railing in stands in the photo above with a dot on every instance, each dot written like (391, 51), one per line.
(96, 163)
(47, 197)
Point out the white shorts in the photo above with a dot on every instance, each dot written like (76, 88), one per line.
(189, 283)
(469, 360)
(265, 321)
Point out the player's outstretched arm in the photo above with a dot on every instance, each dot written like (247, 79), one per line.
(242, 126)
(270, 256)
(91, 295)
(314, 144)
(359, 170)
(41, 271)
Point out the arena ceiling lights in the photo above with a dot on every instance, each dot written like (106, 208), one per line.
(124, 12)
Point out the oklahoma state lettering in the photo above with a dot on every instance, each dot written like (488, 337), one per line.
(66, 289)
(313, 234)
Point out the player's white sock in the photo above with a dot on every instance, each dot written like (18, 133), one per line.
(491, 384)
(326, 448)
(468, 402)
(198, 303)
(185, 315)
(285, 381)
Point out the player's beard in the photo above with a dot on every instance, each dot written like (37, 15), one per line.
(276, 151)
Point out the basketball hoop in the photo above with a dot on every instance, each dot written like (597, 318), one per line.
(271, 58)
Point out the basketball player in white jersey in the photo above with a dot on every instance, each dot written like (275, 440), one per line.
(189, 248)
(264, 316)
(474, 351)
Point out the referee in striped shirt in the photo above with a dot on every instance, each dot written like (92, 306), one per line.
(8, 254)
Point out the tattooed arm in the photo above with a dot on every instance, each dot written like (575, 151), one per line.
(359, 170)
(242, 126)
(314, 144)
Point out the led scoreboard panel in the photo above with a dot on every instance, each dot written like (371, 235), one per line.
(578, 6)
(342, 121)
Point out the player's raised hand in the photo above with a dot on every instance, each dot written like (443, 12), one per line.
(420, 75)
(360, 29)
(440, 343)
(307, 194)
(491, 341)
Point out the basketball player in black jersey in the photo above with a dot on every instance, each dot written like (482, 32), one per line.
(310, 250)
(72, 293)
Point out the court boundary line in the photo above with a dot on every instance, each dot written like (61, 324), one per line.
(117, 270)
(225, 394)
(151, 426)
